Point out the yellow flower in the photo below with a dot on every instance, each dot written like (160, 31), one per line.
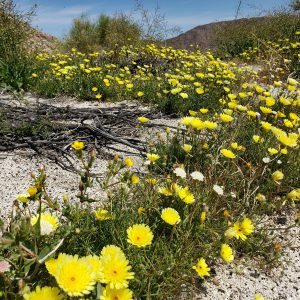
(201, 268)
(44, 293)
(184, 95)
(176, 91)
(226, 213)
(48, 222)
(203, 216)
(53, 264)
(143, 120)
(24, 198)
(203, 110)
(270, 101)
(139, 235)
(260, 197)
(140, 94)
(152, 157)
(166, 191)
(96, 265)
(128, 162)
(210, 125)
(226, 118)
(226, 253)
(187, 148)
(247, 226)
(111, 251)
(184, 194)
(272, 151)
(94, 89)
(74, 276)
(242, 229)
(98, 96)
(277, 175)
(227, 153)
(77, 145)
(102, 214)
(234, 145)
(197, 124)
(294, 194)
(170, 216)
(265, 125)
(116, 294)
(257, 139)
(241, 108)
(141, 210)
(135, 179)
(230, 233)
(288, 123)
(231, 96)
(258, 297)
(265, 110)
(152, 181)
(292, 81)
(129, 86)
(32, 190)
(199, 91)
(187, 121)
(251, 113)
(287, 140)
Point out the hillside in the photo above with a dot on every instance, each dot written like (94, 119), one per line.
(203, 35)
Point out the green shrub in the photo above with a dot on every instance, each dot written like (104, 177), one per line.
(87, 35)
(235, 37)
(15, 58)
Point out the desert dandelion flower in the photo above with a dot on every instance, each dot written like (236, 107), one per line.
(48, 222)
(170, 216)
(202, 268)
(139, 235)
(74, 276)
(116, 271)
(45, 293)
(226, 253)
(116, 294)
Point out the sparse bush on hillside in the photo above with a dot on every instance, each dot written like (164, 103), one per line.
(141, 27)
(106, 31)
(15, 63)
(82, 35)
(234, 38)
(122, 31)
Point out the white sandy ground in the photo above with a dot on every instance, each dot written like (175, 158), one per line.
(231, 282)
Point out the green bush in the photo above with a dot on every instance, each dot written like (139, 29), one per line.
(234, 38)
(15, 58)
(87, 35)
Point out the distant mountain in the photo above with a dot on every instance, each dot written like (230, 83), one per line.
(204, 35)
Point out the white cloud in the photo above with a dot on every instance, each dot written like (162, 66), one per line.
(49, 15)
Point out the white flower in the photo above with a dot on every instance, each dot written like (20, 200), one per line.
(232, 194)
(279, 161)
(218, 189)
(180, 172)
(266, 160)
(197, 176)
(46, 227)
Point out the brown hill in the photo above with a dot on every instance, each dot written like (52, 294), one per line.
(204, 35)
(41, 41)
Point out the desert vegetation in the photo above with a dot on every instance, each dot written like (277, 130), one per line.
(206, 191)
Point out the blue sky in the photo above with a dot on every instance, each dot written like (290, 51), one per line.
(55, 17)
